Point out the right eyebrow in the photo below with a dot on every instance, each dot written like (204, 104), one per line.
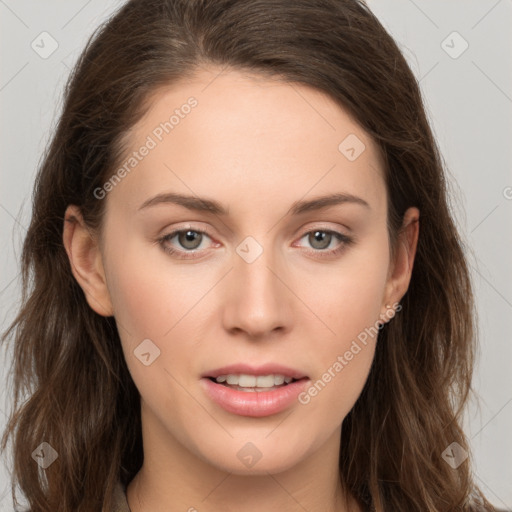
(190, 202)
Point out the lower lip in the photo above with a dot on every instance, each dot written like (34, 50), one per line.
(255, 403)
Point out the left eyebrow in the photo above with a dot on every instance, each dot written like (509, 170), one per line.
(212, 206)
(322, 202)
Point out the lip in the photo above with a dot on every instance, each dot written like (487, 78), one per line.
(253, 403)
(265, 369)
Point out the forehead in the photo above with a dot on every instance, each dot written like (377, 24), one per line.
(230, 133)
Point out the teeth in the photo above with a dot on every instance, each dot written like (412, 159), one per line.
(251, 381)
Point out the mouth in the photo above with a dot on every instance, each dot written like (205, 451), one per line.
(255, 391)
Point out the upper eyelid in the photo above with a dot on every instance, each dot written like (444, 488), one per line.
(173, 232)
(207, 231)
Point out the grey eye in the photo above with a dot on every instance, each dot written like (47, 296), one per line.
(188, 239)
(319, 239)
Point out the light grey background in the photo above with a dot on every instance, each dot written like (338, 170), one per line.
(468, 96)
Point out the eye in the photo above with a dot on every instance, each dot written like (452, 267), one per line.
(322, 239)
(188, 240)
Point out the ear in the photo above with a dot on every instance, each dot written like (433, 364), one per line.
(400, 270)
(86, 261)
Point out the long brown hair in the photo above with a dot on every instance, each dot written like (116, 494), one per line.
(72, 386)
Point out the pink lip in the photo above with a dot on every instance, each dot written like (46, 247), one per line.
(266, 369)
(256, 403)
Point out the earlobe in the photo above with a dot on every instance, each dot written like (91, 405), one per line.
(401, 268)
(86, 261)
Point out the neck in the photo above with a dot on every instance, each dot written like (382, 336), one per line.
(236, 492)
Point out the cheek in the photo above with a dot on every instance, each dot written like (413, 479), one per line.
(158, 300)
(155, 303)
(348, 295)
(344, 359)
(150, 294)
(349, 304)
(358, 301)
(163, 302)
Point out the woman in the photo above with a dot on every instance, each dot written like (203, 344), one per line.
(248, 292)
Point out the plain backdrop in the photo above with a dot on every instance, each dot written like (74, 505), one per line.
(461, 52)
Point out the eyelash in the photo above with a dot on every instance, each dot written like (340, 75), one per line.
(344, 239)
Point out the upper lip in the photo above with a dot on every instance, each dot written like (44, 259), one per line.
(265, 369)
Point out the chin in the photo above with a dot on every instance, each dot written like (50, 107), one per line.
(258, 458)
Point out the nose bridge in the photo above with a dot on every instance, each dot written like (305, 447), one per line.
(258, 301)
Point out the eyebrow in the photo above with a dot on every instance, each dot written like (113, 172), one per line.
(214, 207)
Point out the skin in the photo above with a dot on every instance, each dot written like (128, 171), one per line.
(255, 145)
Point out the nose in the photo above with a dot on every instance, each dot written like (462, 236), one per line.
(257, 300)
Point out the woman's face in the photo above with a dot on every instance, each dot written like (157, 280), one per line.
(267, 281)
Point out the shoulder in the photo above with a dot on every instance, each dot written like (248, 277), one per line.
(120, 501)
(480, 508)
